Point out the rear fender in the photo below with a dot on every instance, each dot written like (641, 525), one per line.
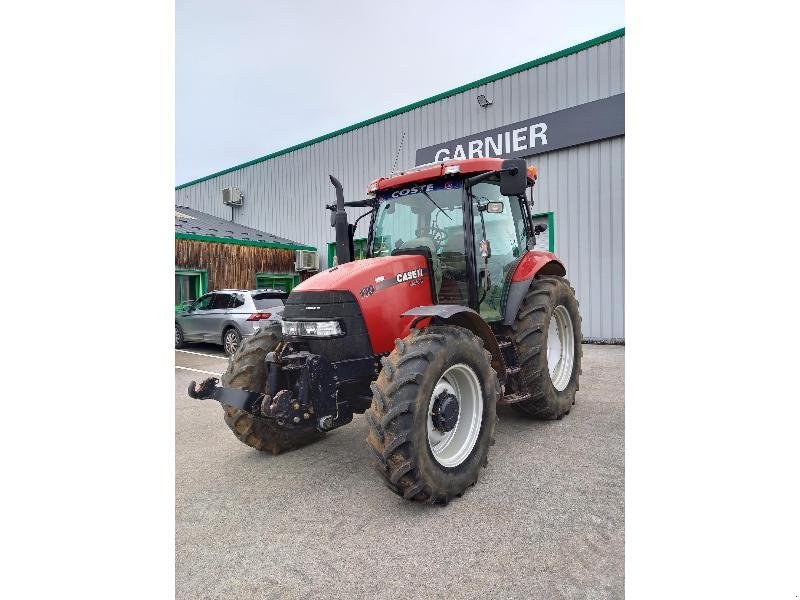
(529, 265)
(461, 316)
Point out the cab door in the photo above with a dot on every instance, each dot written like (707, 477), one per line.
(500, 219)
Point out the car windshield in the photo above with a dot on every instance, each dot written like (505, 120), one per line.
(263, 301)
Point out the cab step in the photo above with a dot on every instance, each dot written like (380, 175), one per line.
(514, 398)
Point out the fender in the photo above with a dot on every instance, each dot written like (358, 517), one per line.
(453, 314)
(530, 264)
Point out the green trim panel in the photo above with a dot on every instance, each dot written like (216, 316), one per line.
(468, 86)
(202, 281)
(359, 245)
(293, 280)
(551, 230)
(222, 240)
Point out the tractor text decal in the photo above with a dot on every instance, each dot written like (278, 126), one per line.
(415, 274)
(422, 188)
(414, 277)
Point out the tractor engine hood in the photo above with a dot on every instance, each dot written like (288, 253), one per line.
(384, 288)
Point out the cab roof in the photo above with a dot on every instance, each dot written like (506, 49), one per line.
(440, 169)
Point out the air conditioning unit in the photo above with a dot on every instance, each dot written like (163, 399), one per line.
(306, 260)
(232, 196)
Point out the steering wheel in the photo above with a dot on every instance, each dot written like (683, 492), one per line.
(438, 235)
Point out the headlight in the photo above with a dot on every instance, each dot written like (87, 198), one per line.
(311, 328)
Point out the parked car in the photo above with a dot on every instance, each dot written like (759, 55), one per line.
(225, 317)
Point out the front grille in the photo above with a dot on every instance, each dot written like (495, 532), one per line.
(333, 305)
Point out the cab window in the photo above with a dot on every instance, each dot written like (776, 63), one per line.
(505, 231)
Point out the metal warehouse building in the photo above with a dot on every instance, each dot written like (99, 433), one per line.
(563, 113)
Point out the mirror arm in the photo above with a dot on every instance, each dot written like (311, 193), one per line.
(369, 212)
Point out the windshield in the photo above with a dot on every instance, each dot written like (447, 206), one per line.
(427, 215)
(420, 215)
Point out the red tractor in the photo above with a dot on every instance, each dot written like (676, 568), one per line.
(452, 314)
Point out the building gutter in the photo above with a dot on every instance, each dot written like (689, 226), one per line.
(237, 242)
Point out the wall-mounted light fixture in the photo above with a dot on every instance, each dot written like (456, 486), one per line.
(483, 102)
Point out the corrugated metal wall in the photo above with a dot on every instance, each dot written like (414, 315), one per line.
(582, 185)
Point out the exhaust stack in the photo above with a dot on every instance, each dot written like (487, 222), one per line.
(344, 231)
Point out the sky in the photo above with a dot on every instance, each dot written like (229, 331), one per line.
(253, 77)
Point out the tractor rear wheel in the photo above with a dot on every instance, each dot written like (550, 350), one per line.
(433, 413)
(547, 334)
(247, 370)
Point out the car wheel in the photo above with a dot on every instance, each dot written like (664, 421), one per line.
(231, 340)
(179, 341)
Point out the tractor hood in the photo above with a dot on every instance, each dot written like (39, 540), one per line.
(384, 288)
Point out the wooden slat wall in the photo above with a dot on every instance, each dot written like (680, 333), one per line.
(232, 266)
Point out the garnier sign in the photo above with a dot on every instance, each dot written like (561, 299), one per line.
(588, 122)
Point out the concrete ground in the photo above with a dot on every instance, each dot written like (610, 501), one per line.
(545, 520)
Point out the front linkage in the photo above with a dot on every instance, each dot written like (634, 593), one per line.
(302, 389)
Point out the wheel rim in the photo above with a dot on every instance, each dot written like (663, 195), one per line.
(177, 335)
(451, 448)
(560, 348)
(231, 342)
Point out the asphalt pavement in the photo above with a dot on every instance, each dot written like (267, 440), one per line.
(545, 520)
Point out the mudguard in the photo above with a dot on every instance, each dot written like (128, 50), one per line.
(530, 264)
(462, 316)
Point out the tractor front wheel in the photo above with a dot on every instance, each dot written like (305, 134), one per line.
(433, 414)
(247, 369)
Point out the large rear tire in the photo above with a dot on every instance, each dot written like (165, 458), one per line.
(247, 370)
(547, 334)
(433, 414)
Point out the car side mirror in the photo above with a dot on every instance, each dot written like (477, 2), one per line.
(513, 177)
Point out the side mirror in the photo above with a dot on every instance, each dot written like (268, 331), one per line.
(514, 177)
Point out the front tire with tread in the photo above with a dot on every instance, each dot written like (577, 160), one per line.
(398, 416)
(247, 369)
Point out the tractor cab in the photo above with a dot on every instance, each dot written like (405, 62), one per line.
(470, 231)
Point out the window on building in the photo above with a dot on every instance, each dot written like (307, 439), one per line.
(545, 240)
(277, 281)
(190, 284)
(359, 249)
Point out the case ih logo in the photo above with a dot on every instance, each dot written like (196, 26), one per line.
(414, 277)
(409, 275)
